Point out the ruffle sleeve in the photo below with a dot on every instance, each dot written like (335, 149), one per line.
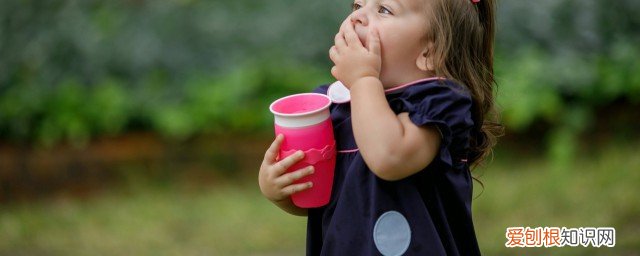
(446, 105)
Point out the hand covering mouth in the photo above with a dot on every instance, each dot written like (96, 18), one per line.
(362, 35)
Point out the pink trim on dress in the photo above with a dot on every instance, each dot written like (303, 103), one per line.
(348, 151)
(412, 83)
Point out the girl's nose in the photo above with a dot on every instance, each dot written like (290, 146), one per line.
(360, 17)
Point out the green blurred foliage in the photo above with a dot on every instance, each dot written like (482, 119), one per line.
(559, 61)
(71, 70)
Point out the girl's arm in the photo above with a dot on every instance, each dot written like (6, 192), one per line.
(392, 146)
(288, 206)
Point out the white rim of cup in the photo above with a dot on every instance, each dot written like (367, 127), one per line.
(303, 113)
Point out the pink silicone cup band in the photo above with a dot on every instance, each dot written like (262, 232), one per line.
(314, 155)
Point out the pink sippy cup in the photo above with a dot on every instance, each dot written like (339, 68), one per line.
(304, 121)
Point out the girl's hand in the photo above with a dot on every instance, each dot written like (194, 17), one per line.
(275, 184)
(352, 60)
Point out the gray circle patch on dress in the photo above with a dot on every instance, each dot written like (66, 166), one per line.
(392, 234)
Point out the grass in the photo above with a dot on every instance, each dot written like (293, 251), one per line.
(222, 220)
(599, 189)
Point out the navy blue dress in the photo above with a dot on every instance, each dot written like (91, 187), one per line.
(428, 213)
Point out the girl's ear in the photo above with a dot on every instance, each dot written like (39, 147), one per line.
(425, 59)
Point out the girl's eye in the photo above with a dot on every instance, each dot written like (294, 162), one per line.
(355, 6)
(384, 10)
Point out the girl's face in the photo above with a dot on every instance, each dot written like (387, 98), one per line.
(402, 26)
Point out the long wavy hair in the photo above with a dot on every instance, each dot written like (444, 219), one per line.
(462, 33)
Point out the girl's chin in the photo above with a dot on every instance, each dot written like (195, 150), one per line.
(386, 83)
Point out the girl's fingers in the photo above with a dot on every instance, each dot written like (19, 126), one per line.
(272, 152)
(333, 54)
(351, 36)
(289, 178)
(339, 40)
(284, 164)
(374, 41)
(344, 24)
(295, 188)
(334, 72)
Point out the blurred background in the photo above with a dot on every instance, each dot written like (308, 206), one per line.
(137, 127)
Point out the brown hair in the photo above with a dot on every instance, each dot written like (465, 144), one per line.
(462, 34)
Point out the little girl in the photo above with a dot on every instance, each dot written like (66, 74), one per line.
(420, 76)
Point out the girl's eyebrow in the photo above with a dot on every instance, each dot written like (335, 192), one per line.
(397, 2)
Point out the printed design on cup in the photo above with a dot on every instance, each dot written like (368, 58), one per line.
(392, 234)
(314, 155)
